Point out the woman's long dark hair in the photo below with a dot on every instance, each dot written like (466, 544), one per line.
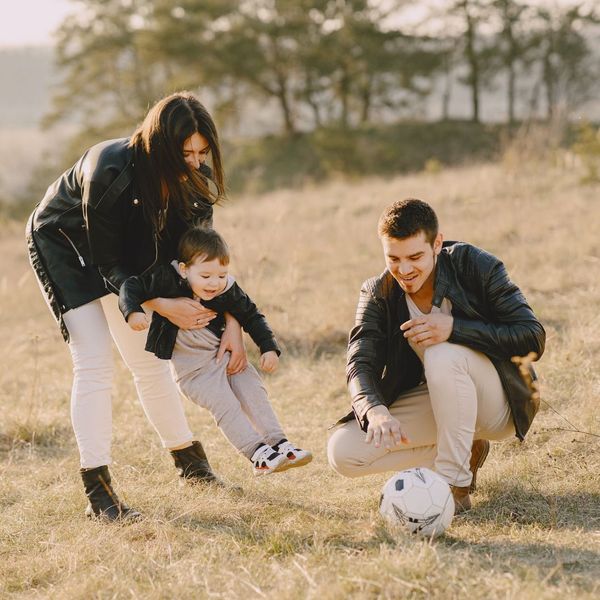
(161, 173)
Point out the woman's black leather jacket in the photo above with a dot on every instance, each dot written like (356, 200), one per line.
(88, 234)
(490, 314)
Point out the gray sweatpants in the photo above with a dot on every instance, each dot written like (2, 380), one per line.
(238, 403)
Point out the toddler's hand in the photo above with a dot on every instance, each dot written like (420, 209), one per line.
(269, 361)
(138, 321)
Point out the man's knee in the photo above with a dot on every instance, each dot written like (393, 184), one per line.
(442, 359)
(341, 453)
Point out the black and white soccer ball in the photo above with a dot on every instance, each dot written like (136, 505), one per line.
(419, 501)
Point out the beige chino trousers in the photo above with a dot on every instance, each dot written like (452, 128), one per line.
(462, 400)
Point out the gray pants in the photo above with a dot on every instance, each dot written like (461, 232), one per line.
(238, 403)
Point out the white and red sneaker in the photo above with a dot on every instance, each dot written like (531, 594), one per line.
(266, 460)
(296, 457)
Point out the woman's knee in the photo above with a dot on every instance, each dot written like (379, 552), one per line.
(94, 365)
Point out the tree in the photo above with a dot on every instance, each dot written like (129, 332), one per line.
(567, 63)
(472, 12)
(512, 46)
(110, 76)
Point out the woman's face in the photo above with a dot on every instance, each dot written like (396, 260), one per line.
(195, 150)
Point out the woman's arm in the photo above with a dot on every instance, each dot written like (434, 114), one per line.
(183, 312)
(232, 341)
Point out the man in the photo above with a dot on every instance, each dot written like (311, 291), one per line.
(429, 359)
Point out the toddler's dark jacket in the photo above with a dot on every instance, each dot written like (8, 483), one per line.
(162, 281)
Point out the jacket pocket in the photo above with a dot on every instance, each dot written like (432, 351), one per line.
(79, 256)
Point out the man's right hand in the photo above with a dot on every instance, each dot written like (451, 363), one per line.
(384, 429)
(183, 312)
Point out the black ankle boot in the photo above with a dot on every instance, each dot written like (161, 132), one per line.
(193, 466)
(104, 502)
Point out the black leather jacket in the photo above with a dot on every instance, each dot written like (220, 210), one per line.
(88, 234)
(163, 281)
(490, 314)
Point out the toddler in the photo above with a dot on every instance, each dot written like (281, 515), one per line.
(239, 402)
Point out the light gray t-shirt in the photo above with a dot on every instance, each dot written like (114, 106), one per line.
(414, 312)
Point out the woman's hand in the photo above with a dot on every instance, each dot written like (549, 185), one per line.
(383, 428)
(183, 312)
(232, 341)
(269, 361)
(138, 321)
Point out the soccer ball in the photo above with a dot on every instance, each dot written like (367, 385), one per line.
(418, 500)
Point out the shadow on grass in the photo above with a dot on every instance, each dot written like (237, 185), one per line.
(517, 504)
(556, 561)
(280, 541)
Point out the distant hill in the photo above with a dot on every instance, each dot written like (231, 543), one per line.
(26, 75)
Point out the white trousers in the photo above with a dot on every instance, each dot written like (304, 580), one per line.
(91, 327)
(463, 400)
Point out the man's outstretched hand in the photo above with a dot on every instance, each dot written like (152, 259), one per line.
(384, 429)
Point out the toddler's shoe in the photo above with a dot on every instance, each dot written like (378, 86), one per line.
(267, 460)
(296, 457)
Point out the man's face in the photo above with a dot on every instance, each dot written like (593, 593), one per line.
(411, 260)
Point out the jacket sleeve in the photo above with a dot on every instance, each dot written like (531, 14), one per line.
(138, 289)
(236, 302)
(366, 355)
(513, 329)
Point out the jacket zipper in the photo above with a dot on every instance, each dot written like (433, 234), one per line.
(155, 255)
(81, 261)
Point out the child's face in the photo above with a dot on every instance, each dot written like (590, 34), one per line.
(207, 278)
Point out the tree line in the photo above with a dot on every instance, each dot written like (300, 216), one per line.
(323, 62)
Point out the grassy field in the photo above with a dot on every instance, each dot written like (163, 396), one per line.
(534, 531)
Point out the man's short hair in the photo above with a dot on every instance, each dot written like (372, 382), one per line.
(405, 218)
(205, 243)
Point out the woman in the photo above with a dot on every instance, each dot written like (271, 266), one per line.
(121, 208)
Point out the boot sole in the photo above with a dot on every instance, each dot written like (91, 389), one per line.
(131, 517)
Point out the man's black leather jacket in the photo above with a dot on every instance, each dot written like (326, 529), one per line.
(164, 282)
(88, 234)
(490, 314)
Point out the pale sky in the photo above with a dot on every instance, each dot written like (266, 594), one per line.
(31, 22)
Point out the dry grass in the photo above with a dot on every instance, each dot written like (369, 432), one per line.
(535, 528)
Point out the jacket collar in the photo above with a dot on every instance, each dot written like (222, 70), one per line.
(443, 272)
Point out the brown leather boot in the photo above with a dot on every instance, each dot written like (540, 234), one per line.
(462, 500)
(193, 466)
(479, 451)
(103, 502)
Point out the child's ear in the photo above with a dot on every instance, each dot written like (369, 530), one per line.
(183, 270)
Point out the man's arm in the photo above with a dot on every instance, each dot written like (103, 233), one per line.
(366, 355)
(514, 329)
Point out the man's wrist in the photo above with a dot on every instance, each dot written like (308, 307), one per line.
(378, 409)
